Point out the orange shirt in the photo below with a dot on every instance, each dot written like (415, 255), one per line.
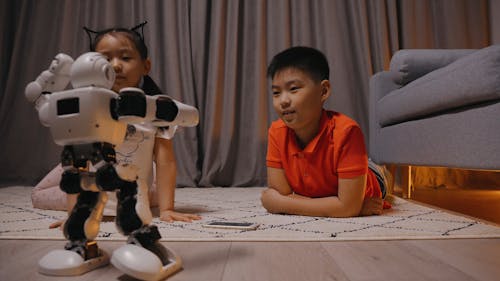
(338, 151)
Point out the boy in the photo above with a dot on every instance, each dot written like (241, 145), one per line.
(317, 163)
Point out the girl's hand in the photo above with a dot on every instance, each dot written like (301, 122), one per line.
(171, 216)
(56, 224)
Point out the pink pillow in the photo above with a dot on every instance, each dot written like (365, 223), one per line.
(47, 194)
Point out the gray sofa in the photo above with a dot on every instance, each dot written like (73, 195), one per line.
(437, 108)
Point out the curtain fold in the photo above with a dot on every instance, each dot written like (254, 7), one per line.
(444, 24)
(213, 54)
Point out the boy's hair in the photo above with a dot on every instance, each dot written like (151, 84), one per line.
(307, 59)
(132, 34)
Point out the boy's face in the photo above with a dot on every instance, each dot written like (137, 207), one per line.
(125, 59)
(298, 98)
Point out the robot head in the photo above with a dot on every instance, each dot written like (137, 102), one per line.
(92, 69)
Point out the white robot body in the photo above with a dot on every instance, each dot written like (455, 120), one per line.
(89, 120)
(83, 115)
(144, 265)
(68, 263)
(92, 69)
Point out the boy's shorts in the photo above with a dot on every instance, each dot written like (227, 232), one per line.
(383, 181)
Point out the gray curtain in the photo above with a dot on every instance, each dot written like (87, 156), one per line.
(213, 55)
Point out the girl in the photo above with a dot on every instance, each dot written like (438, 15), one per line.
(144, 144)
(128, 54)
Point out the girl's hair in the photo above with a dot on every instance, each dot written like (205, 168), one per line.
(148, 85)
(307, 59)
(132, 34)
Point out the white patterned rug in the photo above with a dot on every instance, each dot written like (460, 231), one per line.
(406, 220)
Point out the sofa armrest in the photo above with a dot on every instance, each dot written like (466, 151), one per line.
(471, 80)
(415, 63)
(381, 84)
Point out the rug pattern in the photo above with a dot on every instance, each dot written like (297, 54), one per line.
(406, 220)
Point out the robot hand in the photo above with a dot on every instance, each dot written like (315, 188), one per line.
(133, 106)
(55, 78)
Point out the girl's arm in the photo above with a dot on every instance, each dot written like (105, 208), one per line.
(166, 171)
(279, 198)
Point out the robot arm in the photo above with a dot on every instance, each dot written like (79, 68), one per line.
(170, 112)
(134, 106)
(56, 78)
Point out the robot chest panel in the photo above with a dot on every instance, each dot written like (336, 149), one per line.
(84, 115)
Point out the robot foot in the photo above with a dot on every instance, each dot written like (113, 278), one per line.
(143, 264)
(69, 263)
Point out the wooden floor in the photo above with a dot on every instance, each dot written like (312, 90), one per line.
(453, 259)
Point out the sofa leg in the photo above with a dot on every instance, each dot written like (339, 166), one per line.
(406, 182)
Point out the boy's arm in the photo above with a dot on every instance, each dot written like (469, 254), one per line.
(348, 203)
(276, 179)
(166, 171)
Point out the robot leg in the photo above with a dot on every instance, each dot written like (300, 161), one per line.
(83, 222)
(144, 257)
(74, 160)
(127, 219)
(103, 159)
(81, 253)
(107, 177)
(70, 180)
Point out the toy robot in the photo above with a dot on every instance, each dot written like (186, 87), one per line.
(89, 120)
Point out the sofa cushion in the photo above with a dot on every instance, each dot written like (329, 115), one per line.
(470, 80)
(415, 63)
